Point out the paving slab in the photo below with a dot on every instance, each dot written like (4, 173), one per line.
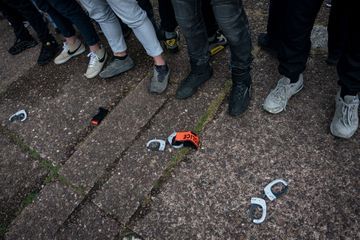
(139, 168)
(11, 67)
(100, 149)
(209, 195)
(88, 223)
(19, 174)
(61, 102)
(42, 218)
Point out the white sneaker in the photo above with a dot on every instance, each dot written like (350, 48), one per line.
(96, 63)
(346, 118)
(66, 54)
(277, 99)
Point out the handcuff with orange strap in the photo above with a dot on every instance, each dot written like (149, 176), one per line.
(187, 138)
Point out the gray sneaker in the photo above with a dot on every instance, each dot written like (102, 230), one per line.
(159, 81)
(116, 67)
(277, 99)
(346, 118)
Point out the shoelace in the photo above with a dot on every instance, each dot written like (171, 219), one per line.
(280, 92)
(93, 59)
(348, 111)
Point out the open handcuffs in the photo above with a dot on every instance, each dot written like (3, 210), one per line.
(18, 116)
(271, 195)
(176, 140)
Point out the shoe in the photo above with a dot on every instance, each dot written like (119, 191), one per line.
(160, 79)
(239, 97)
(96, 63)
(346, 118)
(21, 45)
(116, 67)
(67, 54)
(197, 76)
(217, 43)
(265, 43)
(171, 41)
(277, 99)
(48, 52)
(328, 3)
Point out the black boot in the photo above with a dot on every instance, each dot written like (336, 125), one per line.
(48, 51)
(240, 93)
(197, 76)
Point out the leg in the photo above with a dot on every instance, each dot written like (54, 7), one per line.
(209, 18)
(233, 21)
(30, 13)
(23, 38)
(295, 41)
(131, 14)
(189, 16)
(167, 16)
(346, 117)
(100, 11)
(337, 29)
(293, 51)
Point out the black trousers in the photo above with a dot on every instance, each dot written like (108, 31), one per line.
(16, 11)
(65, 13)
(167, 15)
(349, 63)
(231, 18)
(290, 23)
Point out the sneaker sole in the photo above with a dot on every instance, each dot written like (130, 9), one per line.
(78, 52)
(272, 111)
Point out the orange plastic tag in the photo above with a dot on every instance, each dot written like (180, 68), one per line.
(187, 137)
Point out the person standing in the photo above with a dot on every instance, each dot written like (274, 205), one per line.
(232, 20)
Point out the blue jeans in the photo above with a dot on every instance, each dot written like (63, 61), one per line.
(65, 13)
(232, 20)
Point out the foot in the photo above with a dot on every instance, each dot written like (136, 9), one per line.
(21, 45)
(96, 63)
(239, 98)
(160, 79)
(217, 43)
(277, 99)
(48, 52)
(117, 66)
(171, 41)
(346, 118)
(197, 76)
(265, 43)
(69, 51)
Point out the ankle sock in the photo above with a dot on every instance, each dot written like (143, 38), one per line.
(346, 92)
(121, 57)
(162, 68)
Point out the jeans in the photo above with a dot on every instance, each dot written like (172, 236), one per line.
(232, 20)
(103, 11)
(17, 10)
(65, 13)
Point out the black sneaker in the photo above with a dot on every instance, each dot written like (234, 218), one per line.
(197, 76)
(217, 43)
(239, 98)
(48, 52)
(265, 43)
(21, 45)
(171, 41)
